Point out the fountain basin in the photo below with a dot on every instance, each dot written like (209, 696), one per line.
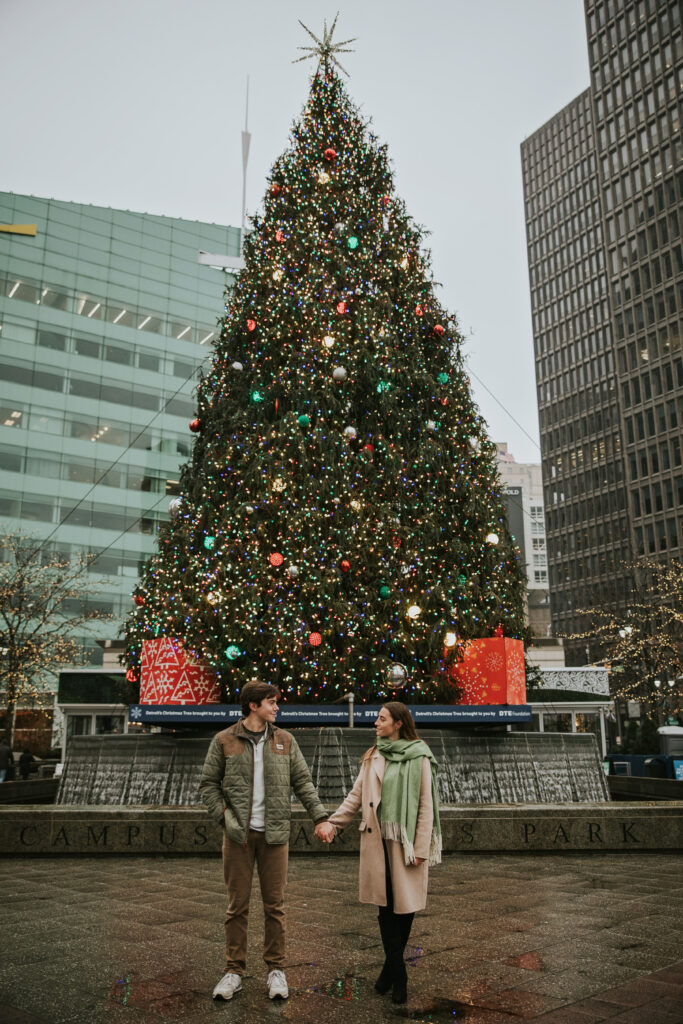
(474, 767)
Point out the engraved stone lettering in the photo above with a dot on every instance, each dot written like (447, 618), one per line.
(133, 833)
(61, 838)
(23, 838)
(96, 839)
(302, 837)
(529, 830)
(560, 834)
(594, 832)
(162, 835)
(200, 835)
(627, 834)
(467, 832)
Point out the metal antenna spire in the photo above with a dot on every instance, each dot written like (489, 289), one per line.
(246, 139)
(324, 49)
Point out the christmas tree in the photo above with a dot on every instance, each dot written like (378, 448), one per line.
(340, 525)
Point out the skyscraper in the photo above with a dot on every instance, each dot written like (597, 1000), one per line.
(603, 182)
(105, 318)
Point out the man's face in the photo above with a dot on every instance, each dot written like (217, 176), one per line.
(266, 710)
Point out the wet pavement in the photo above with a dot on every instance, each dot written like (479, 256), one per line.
(505, 938)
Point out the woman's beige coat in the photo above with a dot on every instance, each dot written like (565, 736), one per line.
(409, 882)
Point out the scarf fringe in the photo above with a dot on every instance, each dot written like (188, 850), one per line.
(392, 830)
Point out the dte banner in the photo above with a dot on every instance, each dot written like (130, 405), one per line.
(335, 714)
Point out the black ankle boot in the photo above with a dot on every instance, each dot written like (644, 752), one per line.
(385, 979)
(399, 992)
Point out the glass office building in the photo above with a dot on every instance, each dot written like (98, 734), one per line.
(603, 189)
(106, 317)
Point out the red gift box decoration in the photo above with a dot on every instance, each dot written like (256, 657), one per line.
(170, 676)
(491, 672)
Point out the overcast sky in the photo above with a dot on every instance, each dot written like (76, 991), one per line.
(139, 104)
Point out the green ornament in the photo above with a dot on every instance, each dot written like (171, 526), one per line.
(232, 652)
(442, 378)
(209, 543)
(256, 396)
(384, 591)
(383, 385)
(352, 242)
(462, 580)
(304, 420)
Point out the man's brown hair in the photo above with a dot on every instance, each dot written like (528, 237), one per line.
(254, 692)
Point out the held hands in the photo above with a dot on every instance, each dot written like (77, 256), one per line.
(325, 831)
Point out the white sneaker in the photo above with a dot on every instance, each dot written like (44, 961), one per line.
(227, 986)
(277, 985)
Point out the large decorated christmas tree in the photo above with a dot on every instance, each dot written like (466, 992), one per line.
(340, 525)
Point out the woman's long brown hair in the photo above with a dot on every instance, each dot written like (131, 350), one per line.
(400, 713)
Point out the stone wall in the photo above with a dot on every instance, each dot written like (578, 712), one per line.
(167, 830)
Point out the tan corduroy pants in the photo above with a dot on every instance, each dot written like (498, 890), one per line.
(238, 870)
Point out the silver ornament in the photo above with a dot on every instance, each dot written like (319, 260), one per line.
(397, 675)
(350, 432)
(174, 506)
(339, 373)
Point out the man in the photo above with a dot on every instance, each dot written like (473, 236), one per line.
(248, 774)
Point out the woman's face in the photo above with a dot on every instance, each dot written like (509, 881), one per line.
(386, 727)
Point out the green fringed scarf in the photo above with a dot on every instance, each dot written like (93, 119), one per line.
(401, 795)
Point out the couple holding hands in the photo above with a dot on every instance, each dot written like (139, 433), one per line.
(249, 773)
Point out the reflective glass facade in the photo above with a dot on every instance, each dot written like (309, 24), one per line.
(603, 184)
(106, 317)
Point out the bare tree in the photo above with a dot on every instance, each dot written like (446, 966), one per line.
(644, 646)
(44, 606)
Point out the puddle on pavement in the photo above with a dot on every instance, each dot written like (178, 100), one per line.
(167, 995)
(439, 1011)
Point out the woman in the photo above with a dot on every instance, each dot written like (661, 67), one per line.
(400, 833)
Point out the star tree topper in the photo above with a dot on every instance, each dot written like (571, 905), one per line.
(324, 48)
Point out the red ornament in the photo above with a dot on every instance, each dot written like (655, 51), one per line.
(345, 565)
(195, 426)
(279, 235)
(139, 600)
(419, 310)
(369, 448)
(498, 630)
(386, 200)
(444, 401)
(276, 558)
(133, 675)
(275, 189)
(330, 155)
(315, 639)
(251, 325)
(396, 541)
(438, 329)
(342, 308)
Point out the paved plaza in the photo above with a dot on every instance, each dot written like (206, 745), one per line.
(138, 940)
